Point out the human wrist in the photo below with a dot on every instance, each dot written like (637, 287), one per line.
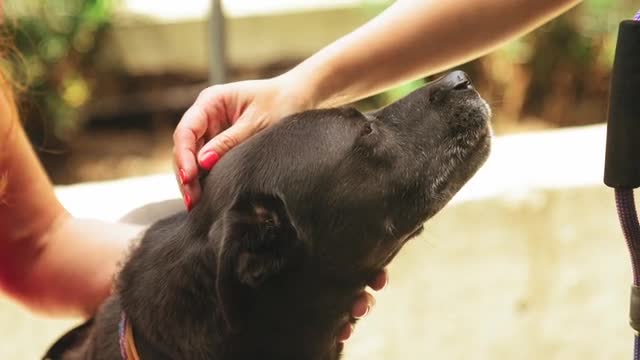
(295, 91)
(312, 85)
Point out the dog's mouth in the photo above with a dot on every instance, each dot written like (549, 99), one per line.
(462, 144)
(468, 129)
(484, 110)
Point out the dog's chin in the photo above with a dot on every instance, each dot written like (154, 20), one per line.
(477, 130)
(477, 142)
(478, 105)
(485, 109)
(466, 150)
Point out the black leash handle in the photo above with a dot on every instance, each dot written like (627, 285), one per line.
(622, 160)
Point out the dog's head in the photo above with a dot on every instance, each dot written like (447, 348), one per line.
(293, 223)
(342, 189)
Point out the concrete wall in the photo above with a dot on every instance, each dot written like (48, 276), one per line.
(527, 262)
(154, 37)
(257, 35)
(544, 276)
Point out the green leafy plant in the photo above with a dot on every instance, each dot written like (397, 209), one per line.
(55, 45)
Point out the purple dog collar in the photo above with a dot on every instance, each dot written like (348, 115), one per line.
(128, 349)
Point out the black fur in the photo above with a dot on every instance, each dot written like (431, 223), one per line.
(291, 226)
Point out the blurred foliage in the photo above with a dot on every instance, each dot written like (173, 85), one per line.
(55, 45)
(557, 75)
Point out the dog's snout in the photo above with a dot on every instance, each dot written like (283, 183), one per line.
(454, 81)
(457, 80)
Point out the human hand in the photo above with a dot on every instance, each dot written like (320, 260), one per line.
(224, 116)
(364, 303)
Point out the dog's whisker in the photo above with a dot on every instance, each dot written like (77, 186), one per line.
(495, 102)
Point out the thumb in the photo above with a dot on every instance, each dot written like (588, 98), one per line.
(213, 150)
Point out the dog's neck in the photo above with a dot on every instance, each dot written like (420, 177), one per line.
(164, 289)
(319, 319)
(167, 289)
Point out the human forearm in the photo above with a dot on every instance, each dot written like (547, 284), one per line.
(49, 261)
(69, 269)
(415, 38)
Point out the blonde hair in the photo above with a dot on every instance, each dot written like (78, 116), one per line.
(9, 112)
(4, 181)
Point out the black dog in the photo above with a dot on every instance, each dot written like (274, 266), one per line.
(291, 226)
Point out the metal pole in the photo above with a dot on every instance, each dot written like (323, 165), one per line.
(216, 45)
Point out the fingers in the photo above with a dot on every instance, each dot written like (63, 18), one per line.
(346, 332)
(213, 150)
(221, 118)
(360, 309)
(362, 305)
(185, 138)
(366, 301)
(191, 194)
(380, 280)
(188, 137)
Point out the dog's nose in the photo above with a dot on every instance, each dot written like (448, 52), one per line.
(448, 84)
(456, 80)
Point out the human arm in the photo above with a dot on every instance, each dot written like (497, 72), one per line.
(49, 261)
(411, 39)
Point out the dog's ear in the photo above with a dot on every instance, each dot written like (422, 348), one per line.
(258, 241)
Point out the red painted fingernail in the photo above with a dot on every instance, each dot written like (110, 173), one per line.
(379, 282)
(183, 176)
(345, 333)
(209, 159)
(358, 312)
(360, 316)
(187, 201)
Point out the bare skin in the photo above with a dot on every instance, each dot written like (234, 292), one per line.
(50, 261)
(433, 36)
(57, 264)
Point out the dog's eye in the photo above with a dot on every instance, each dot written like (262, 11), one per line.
(367, 129)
